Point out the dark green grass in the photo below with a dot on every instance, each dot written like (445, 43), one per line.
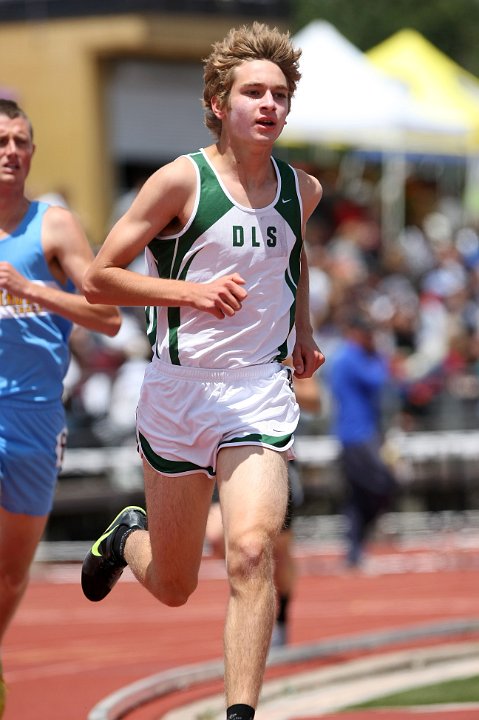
(453, 691)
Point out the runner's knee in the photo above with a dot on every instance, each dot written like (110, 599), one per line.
(13, 581)
(249, 556)
(174, 593)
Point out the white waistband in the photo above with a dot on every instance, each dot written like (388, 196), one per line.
(189, 372)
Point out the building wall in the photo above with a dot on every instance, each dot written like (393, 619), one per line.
(57, 71)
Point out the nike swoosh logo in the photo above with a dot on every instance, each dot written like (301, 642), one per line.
(95, 550)
(285, 201)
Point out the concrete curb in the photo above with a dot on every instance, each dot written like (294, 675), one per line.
(334, 688)
(131, 697)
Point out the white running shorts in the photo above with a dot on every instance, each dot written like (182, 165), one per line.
(185, 415)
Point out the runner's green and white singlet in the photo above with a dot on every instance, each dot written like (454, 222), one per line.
(223, 237)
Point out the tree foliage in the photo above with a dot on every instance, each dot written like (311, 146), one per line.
(451, 25)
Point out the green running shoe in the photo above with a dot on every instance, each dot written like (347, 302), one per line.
(102, 566)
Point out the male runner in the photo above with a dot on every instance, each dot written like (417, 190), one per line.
(228, 300)
(43, 256)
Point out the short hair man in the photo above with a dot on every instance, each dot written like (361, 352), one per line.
(43, 256)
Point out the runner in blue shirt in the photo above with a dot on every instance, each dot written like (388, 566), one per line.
(43, 256)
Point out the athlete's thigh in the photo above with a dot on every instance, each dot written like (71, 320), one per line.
(177, 510)
(253, 487)
(214, 531)
(19, 538)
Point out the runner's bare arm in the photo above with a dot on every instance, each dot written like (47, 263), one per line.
(68, 255)
(306, 356)
(164, 203)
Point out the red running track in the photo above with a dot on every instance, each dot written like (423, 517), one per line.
(63, 654)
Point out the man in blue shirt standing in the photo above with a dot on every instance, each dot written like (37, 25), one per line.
(358, 375)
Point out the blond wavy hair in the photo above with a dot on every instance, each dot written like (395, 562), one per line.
(255, 42)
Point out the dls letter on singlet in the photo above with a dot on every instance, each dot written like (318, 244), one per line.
(239, 236)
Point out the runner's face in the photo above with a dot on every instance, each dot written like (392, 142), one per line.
(16, 150)
(258, 102)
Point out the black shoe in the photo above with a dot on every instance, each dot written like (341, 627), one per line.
(102, 567)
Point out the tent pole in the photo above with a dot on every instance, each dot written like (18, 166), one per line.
(470, 202)
(393, 202)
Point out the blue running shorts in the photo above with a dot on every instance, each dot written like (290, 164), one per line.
(32, 443)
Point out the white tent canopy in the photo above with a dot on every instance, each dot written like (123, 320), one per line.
(342, 98)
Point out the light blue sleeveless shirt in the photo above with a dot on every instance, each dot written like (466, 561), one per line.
(34, 353)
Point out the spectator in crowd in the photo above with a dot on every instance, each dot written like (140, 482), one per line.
(358, 374)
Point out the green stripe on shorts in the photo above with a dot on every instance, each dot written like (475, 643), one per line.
(277, 442)
(170, 467)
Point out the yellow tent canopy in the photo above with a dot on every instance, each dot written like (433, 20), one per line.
(442, 87)
(354, 104)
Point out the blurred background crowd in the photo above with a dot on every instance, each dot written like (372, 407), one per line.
(386, 115)
(421, 293)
